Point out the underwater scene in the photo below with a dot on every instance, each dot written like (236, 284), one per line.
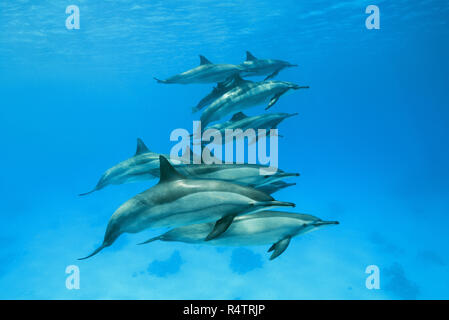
(224, 149)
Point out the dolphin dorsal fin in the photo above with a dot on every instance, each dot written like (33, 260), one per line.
(141, 147)
(238, 80)
(238, 116)
(167, 172)
(204, 60)
(250, 57)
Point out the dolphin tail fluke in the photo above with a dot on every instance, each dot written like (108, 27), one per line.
(151, 240)
(95, 252)
(159, 80)
(220, 226)
(86, 193)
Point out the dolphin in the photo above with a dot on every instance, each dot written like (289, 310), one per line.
(240, 173)
(243, 97)
(259, 67)
(241, 121)
(262, 228)
(177, 201)
(274, 186)
(206, 72)
(221, 88)
(144, 165)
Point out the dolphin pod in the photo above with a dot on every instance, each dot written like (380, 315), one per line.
(144, 165)
(178, 201)
(214, 204)
(262, 228)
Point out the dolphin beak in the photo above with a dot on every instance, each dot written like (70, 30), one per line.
(286, 174)
(296, 87)
(288, 185)
(291, 115)
(325, 223)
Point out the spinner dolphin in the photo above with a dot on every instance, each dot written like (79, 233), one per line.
(262, 228)
(206, 72)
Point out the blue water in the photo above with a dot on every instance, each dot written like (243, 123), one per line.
(370, 143)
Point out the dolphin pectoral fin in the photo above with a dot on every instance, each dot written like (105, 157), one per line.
(276, 98)
(279, 247)
(220, 226)
(271, 76)
(95, 252)
(151, 240)
(273, 101)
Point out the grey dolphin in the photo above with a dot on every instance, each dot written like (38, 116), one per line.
(177, 201)
(221, 88)
(243, 174)
(243, 97)
(206, 72)
(259, 67)
(263, 228)
(144, 165)
(241, 121)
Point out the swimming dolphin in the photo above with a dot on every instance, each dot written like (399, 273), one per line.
(206, 72)
(243, 97)
(144, 165)
(263, 228)
(239, 173)
(274, 186)
(258, 67)
(241, 121)
(177, 201)
(221, 88)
